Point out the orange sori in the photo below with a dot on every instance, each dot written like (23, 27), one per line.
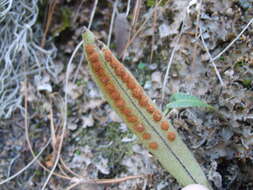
(114, 63)
(110, 87)
(171, 136)
(90, 48)
(97, 67)
(120, 71)
(165, 125)
(94, 57)
(104, 78)
(137, 93)
(115, 95)
(119, 68)
(153, 145)
(110, 59)
(120, 103)
(131, 84)
(123, 75)
(150, 108)
(157, 116)
(125, 110)
(108, 55)
(132, 118)
(125, 78)
(143, 101)
(139, 128)
(146, 136)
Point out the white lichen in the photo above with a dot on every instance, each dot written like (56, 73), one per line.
(21, 54)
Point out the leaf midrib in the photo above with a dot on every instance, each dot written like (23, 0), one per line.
(164, 141)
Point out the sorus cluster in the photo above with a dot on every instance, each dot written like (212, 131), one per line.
(136, 91)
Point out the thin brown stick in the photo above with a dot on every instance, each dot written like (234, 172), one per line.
(136, 14)
(93, 13)
(138, 31)
(78, 68)
(51, 10)
(61, 168)
(234, 40)
(112, 21)
(77, 11)
(52, 128)
(166, 77)
(105, 181)
(211, 58)
(27, 166)
(73, 185)
(128, 7)
(57, 152)
(65, 111)
(133, 24)
(28, 138)
(196, 35)
(69, 170)
(154, 30)
(118, 180)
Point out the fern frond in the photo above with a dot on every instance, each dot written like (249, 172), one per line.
(141, 115)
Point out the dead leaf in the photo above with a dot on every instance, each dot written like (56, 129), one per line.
(156, 77)
(121, 32)
(164, 30)
(88, 121)
(114, 117)
(43, 83)
(73, 90)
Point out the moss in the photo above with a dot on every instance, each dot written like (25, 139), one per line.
(106, 141)
(38, 173)
(222, 58)
(247, 83)
(142, 66)
(65, 21)
(239, 64)
(42, 5)
(81, 82)
(151, 3)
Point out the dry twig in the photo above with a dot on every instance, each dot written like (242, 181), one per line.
(93, 13)
(51, 9)
(211, 59)
(112, 21)
(154, 29)
(237, 37)
(139, 30)
(28, 139)
(27, 166)
(65, 115)
(171, 59)
(103, 181)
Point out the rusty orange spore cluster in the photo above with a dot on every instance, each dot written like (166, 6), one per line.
(171, 136)
(108, 84)
(138, 93)
(93, 58)
(132, 85)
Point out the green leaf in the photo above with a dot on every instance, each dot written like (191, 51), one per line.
(173, 154)
(247, 83)
(180, 96)
(150, 3)
(65, 21)
(181, 100)
(141, 66)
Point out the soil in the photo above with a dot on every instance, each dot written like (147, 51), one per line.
(97, 144)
